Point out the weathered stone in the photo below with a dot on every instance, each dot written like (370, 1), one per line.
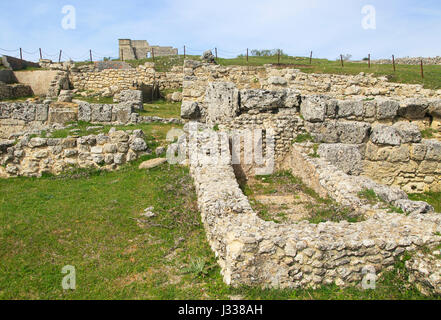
(152, 163)
(433, 149)
(413, 109)
(313, 108)
(414, 207)
(221, 102)
(387, 109)
(348, 109)
(208, 57)
(138, 145)
(347, 158)
(409, 132)
(353, 132)
(385, 135)
(37, 142)
(190, 110)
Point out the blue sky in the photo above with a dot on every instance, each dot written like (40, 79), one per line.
(403, 28)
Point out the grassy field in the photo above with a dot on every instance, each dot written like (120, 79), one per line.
(282, 197)
(93, 221)
(410, 74)
(162, 108)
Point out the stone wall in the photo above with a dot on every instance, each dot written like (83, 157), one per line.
(43, 82)
(197, 76)
(15, 90)
(139, 49)
(377, 137)
(118, 80)
(254, 252)
(17, 64)
(20, 117)
(410, 61)
(31, 157)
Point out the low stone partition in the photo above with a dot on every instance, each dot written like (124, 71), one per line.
(89, 78)
(14, 90)
(22, 117)
(31, 157)
(254, 252)
(198, 75)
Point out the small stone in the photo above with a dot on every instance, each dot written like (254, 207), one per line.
(149, 164)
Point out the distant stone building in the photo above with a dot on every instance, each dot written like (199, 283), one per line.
(140, 49)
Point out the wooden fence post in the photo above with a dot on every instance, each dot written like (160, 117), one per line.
(369, 58)
(310, 58)
(422, 69)
(393, 62)
(342, 63)
(21, 54)
(215, 49)
(41, 56)
(91, 59)
(59, 58)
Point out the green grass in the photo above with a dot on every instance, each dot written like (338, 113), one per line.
(91, 220)
(155, 132)
(369, 195)
(19, 99)
(428, 133)
(284, 183)
(98, 100)
(164, 64)
(432, 198)
(409, 74)
(162, 108)
(303, 138)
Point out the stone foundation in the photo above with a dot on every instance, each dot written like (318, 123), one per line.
(31, 157)
(253, 252)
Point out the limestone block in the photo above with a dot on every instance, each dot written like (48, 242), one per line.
(347, 158)
(313, 108)
(385, 135)
(433, 149)
(409, 132)
(221, 102)
(413, 108)
(353, 132)
(418, 152)
(387, 109)
(350, 108)
(190, 110)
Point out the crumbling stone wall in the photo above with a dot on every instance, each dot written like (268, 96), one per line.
(197, 76)
(139, 49)
(31, 157)
(119, 80)
(22, 117)
(254, 252)
(15, 90)
(376, 137)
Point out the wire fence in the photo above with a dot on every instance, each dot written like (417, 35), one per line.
(277, 55)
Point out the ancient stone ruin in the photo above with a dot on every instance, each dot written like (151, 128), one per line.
(140, 49)
(340, 134)
(367, 136)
